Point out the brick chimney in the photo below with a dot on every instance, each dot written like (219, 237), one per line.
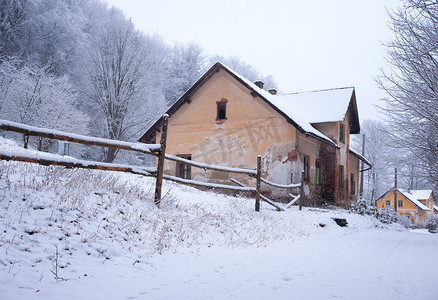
(259, 83)
(272, 91)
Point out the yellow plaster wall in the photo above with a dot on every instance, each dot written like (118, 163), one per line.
(252, 128)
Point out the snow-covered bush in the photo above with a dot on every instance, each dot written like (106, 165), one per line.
(388, 216)
(404, 221)
(432, 222)
(363, 207)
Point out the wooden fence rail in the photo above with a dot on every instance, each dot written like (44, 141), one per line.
(158, 150)
(68, 162)
(150, 149)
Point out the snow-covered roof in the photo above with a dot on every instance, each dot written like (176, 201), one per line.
(361, 157)
(319, 106)
(301, 109)
(421, 194)
(415, 195)
(283, 106)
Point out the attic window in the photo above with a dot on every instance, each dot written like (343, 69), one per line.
(221, 109)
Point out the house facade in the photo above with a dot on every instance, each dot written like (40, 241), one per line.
(224, 119)
(417, 205)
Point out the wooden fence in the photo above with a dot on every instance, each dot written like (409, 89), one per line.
(158, 150)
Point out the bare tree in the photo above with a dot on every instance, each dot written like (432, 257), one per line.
(125, 81)
(411, 84)
(184, 66)
(33, 96)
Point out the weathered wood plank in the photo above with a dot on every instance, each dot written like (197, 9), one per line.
(267, 200)
(294, 185)
(160, 165)
(208, 185)
(74, 163)
(211, 167)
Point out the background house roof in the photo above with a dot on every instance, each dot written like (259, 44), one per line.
(416, 195)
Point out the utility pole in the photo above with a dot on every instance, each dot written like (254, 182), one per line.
(361, 164)
(395, 190)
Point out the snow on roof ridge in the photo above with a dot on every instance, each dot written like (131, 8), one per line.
(317, 91)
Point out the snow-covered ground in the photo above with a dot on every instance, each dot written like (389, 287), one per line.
(80, 234)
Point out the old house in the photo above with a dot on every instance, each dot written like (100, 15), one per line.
(417, 205)
(225, 119)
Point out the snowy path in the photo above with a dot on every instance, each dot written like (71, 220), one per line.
(370, 264)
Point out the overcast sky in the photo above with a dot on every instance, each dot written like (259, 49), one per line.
(304, 45)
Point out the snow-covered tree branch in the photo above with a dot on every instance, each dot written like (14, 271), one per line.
(411, 85)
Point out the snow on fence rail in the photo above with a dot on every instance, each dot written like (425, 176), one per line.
(71, 162)
(76, 138)
(150, 149)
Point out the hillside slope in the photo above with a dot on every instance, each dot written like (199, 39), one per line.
(66, 233)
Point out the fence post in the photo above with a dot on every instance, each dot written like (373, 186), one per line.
(160, 166)
(302, 190)
(258, 178)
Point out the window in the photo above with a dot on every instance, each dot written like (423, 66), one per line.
(306, 168)
(317, 172)
(341, 132)
(383, 205)
(352, 184)
(183, 170)
(388, 203)
(400, 203)
(341, 177)
(221, 109)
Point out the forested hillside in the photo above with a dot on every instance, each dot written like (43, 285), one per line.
(83, 67)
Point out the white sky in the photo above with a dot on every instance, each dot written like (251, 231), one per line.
(304, 45)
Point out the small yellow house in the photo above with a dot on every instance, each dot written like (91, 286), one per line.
(417, 205)
(225, 119)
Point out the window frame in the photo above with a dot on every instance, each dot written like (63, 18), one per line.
(342, 133)
(317, 172)
(221, 110)
(399, 202)
(182, 170)
(341, 177)
(352, 184)
(306, 163)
